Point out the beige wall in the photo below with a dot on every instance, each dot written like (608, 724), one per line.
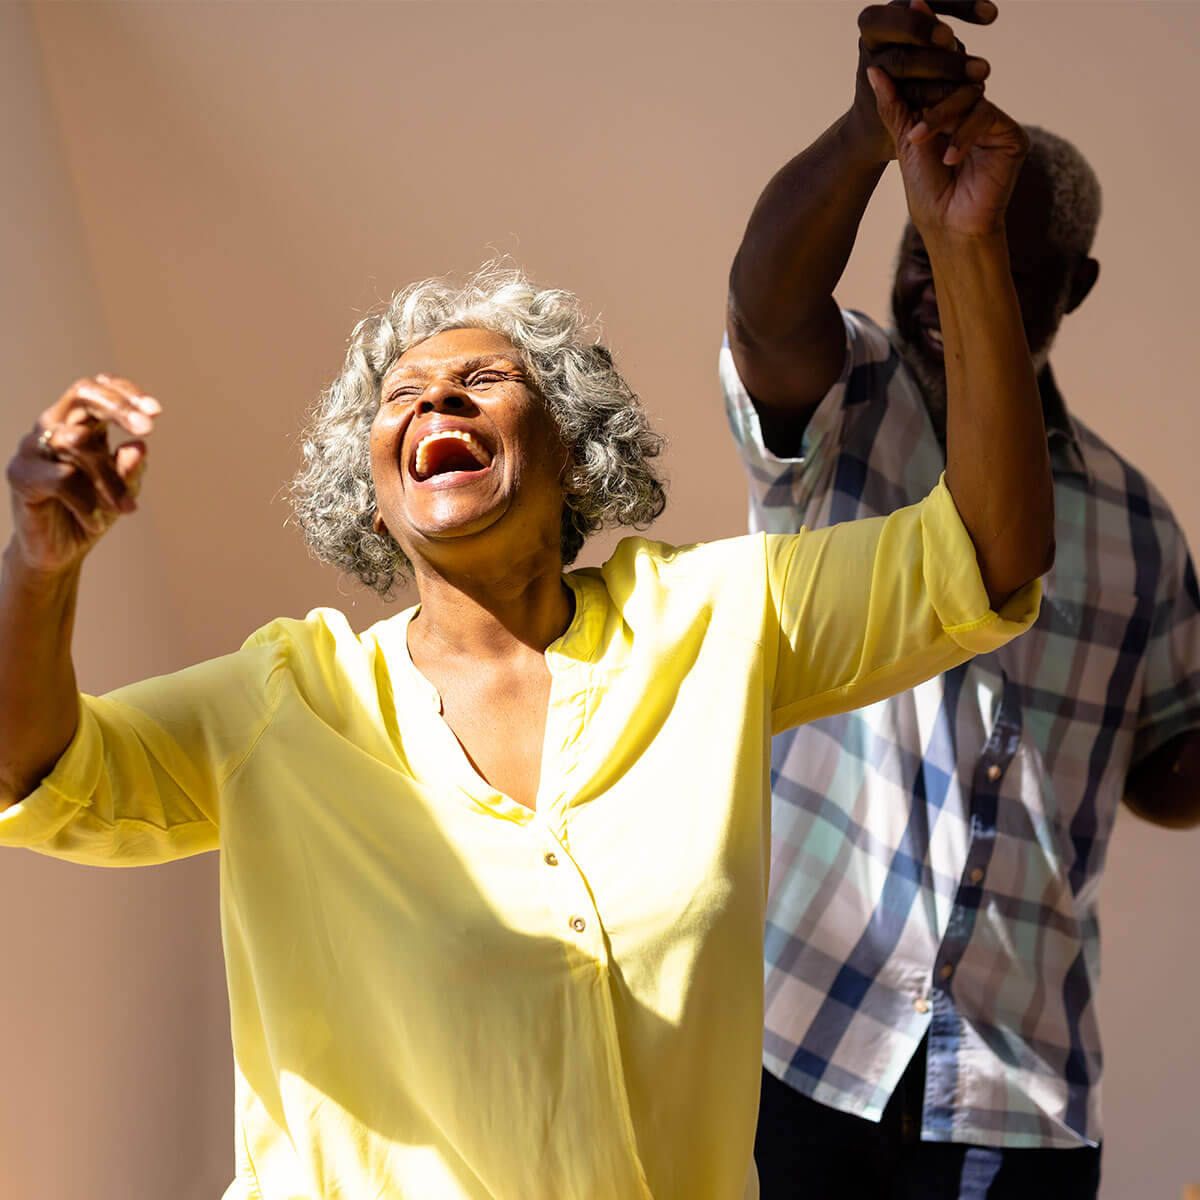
(115, 1064)
(211, 194)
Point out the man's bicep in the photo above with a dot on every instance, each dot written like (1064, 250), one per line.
(788, 379)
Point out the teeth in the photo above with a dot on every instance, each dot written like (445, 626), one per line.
(478, 452)
(935, 336)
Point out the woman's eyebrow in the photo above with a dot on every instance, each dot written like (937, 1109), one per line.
(462, 368)
(486, 360)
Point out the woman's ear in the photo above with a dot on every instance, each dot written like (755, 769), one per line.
(378, 524)
(572, 478)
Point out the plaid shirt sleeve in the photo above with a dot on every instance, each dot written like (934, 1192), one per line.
(1171, 692)
(781, 487)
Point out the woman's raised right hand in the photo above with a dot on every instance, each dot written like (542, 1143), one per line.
(68, 487)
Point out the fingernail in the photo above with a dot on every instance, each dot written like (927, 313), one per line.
(951, 156)
(140, 423)
(918, 131)
(148, 404)
(977, 68)
(985, 10)
(943, 35)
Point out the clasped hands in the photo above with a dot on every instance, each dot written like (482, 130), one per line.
(920, 99)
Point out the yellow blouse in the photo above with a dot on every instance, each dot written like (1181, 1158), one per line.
(436, 992)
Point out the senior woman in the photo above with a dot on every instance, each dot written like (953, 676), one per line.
(493, 871)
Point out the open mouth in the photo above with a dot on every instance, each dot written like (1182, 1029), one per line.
(449, 452)
(931, 338)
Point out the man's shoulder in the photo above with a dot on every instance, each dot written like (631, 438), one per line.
(1114, 479)
(861, 326)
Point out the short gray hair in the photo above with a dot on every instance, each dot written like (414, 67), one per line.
(598, 416)
(1074, 192)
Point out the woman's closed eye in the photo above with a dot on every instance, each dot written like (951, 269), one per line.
(486, 378)
(401, 394)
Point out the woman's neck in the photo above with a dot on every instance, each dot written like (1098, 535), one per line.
(491, 610)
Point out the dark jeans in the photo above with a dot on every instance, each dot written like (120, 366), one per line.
(808, 1151)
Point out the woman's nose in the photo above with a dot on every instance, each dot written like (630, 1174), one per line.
(442, 396)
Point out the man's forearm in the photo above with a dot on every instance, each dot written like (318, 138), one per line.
(38, 699)
(801, 232)
(785, 331)
(997, 461)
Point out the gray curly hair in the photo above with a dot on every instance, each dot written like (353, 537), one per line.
(1074, 192)
(598, 416)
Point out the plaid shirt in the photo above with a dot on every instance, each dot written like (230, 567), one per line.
(936, 857)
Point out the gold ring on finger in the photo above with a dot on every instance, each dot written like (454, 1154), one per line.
(45, 445)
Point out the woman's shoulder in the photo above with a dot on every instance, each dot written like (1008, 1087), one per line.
(319, 629)
(657, 577)
(333, 668)
(323, 643)
(646, 557)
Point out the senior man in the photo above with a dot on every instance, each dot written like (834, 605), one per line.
(932, 949)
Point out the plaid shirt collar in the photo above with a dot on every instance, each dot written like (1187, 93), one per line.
(1065, 449)
(1066, 452)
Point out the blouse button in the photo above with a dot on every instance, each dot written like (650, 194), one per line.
(578, 924)
(977, 875)
(921, 1004)
(994, 772)
(550, 858)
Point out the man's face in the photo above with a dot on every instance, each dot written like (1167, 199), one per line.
(1041, 275)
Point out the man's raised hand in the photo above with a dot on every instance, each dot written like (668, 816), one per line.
(67, 486)
(919, 52)
(959, 161)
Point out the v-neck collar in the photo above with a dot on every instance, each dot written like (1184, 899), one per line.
(436, 753)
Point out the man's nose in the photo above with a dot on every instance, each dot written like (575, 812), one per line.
(442, 396)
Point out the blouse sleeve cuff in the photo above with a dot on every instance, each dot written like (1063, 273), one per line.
(955, 584)
(61, 794)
